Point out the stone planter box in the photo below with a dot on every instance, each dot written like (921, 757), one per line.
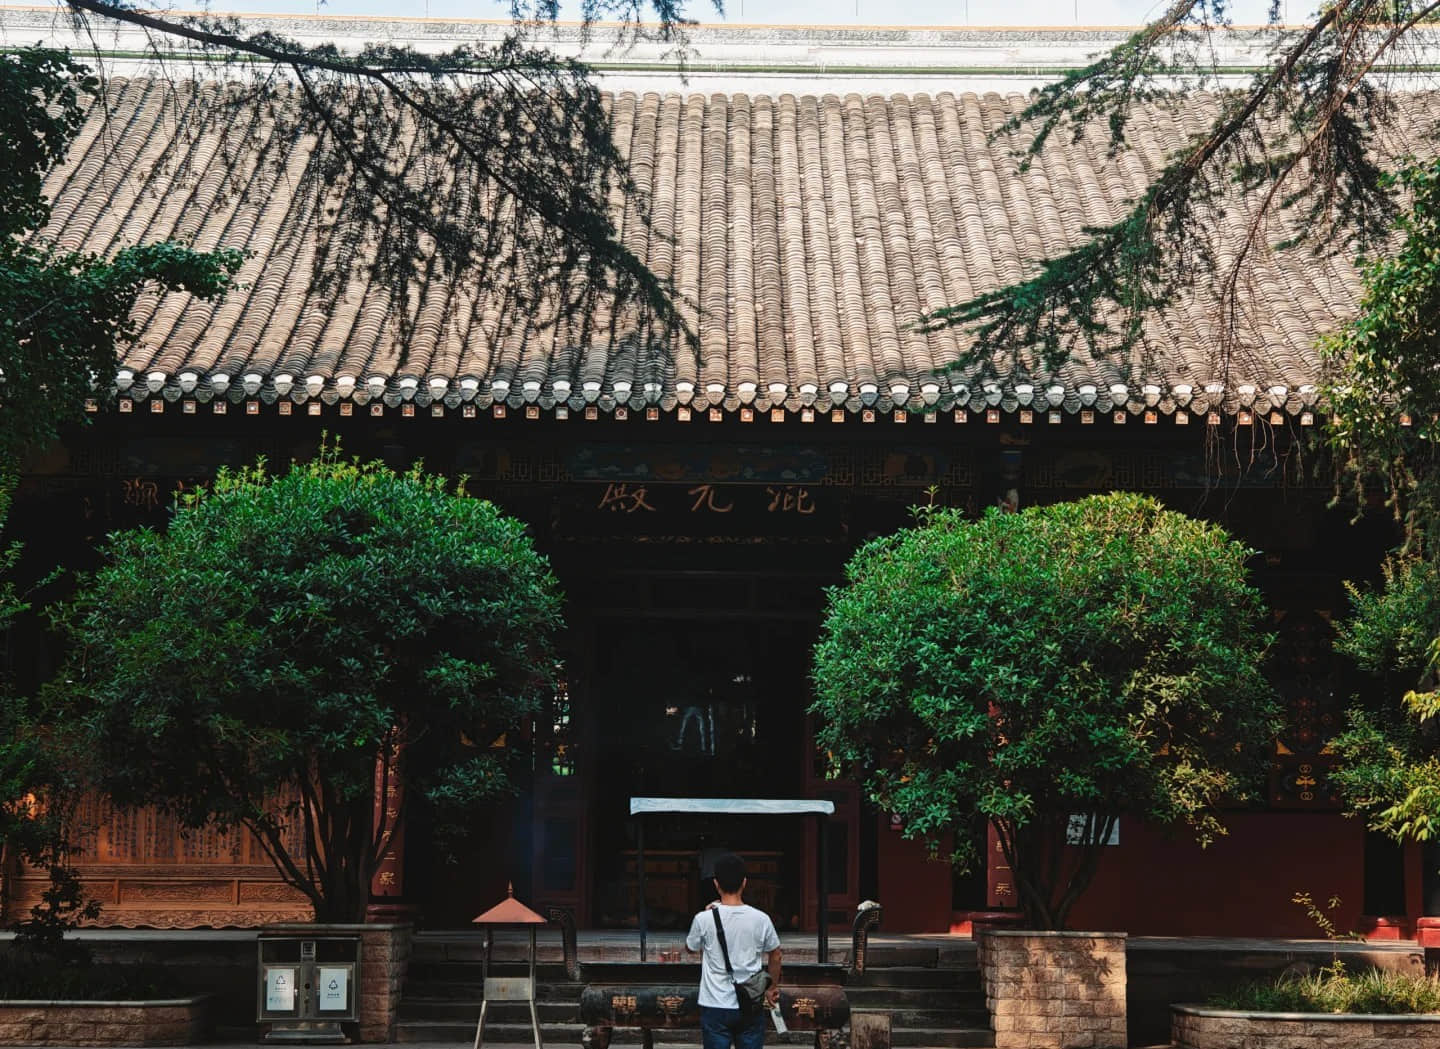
(1054, 990)
(1196, 1027)
(176, 1021)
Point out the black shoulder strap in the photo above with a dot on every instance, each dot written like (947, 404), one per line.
(724, 950)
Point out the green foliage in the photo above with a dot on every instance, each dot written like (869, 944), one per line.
(1333, 989)
(1312, 133)
(488, 165)
(62, 313)
(1394, 627)
(22, 977)
(1100, 657)
(34, 799)
(252, 664)
(63, 905)
(1320, 916)
(1383, 387)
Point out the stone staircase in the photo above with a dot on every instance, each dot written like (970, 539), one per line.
(928, 1005)
(933, 1003)
(441, 1003)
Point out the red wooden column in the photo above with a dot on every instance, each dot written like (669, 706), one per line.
(387, 884)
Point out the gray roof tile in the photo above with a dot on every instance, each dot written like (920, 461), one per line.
(804, 235)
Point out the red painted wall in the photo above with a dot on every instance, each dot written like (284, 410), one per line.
(914, 890)
(1159, 882)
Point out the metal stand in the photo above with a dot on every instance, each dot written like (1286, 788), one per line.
(822, 888)
(505, 989)
(640, 874)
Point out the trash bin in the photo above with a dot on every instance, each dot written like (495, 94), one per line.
(309, 987)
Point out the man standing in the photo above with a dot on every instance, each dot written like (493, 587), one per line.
(751, 942)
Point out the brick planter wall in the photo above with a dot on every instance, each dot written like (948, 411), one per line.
(180, 1021)
(384, 959)
(1054, 990)
(1196, 1028)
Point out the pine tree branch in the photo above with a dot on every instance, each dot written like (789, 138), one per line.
(528, 128)
(1096, 296)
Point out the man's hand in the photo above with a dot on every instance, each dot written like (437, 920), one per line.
(772, 996)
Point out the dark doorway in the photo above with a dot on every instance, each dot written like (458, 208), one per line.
(696, 707)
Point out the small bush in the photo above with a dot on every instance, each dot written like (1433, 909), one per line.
(1333, 989)
(22, 976)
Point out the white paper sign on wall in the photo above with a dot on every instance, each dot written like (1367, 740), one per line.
(332, 989)
(1079, 825)
(279, 990)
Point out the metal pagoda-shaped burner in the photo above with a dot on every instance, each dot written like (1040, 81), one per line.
(508, 912)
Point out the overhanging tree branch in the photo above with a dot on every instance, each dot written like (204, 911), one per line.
(520, 165)
(1312, 106)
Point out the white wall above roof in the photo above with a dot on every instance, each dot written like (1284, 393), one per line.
(758, 59)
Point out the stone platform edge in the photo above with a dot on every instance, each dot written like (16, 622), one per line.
(1200, 1027)
(97, 1022)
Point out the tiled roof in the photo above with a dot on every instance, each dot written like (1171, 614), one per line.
(807, 234)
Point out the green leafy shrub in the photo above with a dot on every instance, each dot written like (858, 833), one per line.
(1333, 989)
(1389, 770)
(290, 640)
(1048, 671)
(22, 977)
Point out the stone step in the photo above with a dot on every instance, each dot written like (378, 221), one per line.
(570, 1035)
(984, 1040)
(934, 1001)
(861, 997)
(473, 968)
(415, 1007)
(927, 1017)
(558, 1034)
(915, 977)
(908, 955)
(472, 949)
(434, 987)
(937, 999)
(922, 989)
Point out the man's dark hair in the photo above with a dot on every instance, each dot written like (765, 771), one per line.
(729, 872)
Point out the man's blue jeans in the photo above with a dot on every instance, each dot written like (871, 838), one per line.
(720, 1027)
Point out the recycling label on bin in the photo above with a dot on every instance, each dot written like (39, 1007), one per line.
(279, 990)
(332, 989)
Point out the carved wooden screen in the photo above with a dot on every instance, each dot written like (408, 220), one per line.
(148, 871)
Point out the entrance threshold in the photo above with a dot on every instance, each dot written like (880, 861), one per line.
(623, 945)
(942, 949)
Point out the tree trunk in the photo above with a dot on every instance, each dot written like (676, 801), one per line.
(345, 893)
(1049, 875)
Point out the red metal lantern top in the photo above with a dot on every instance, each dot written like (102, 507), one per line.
(510, 911)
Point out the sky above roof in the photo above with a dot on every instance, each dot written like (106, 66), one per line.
(815, 12)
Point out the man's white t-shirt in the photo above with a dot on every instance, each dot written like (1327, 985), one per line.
(749, 935)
